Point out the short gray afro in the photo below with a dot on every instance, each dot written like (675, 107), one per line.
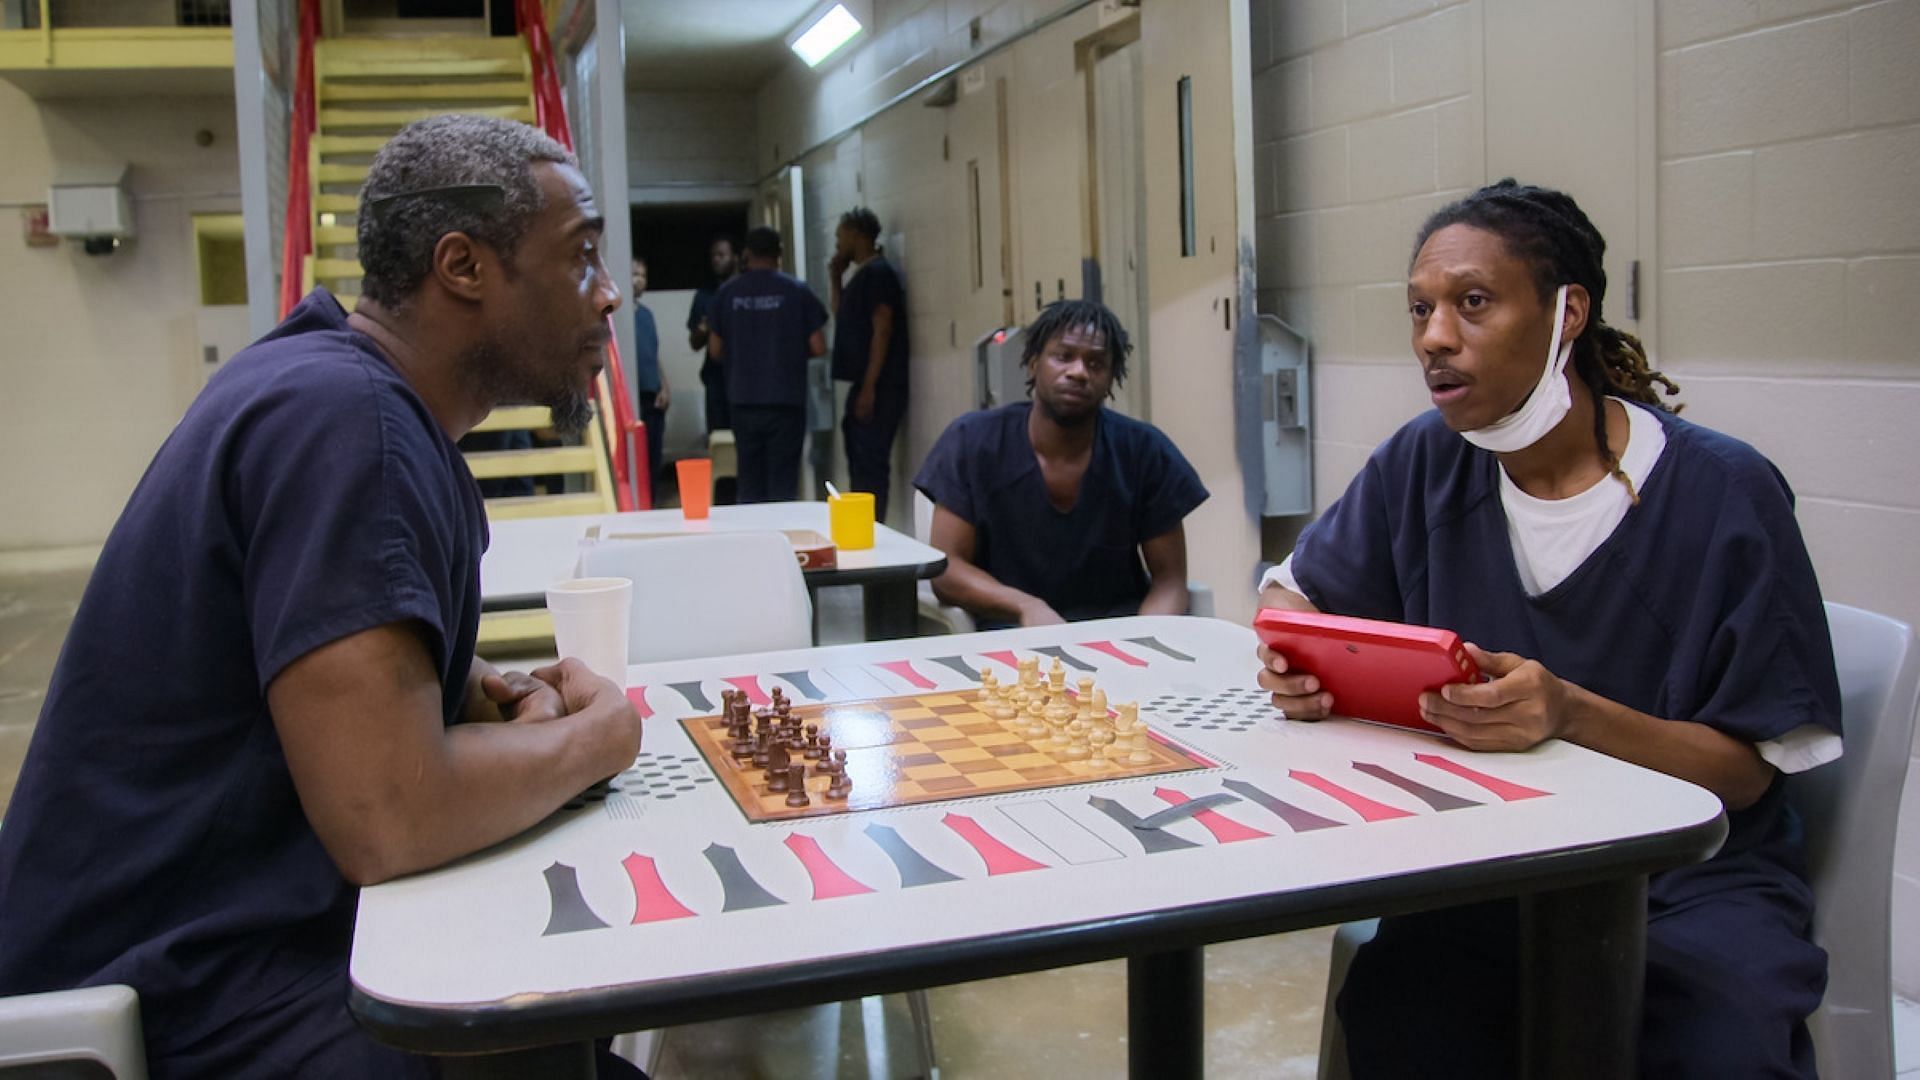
(454, 150)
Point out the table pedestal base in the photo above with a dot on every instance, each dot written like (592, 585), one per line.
(1583, 965)
(1166, 1015)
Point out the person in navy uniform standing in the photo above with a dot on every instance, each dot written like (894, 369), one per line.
(1059, 508)
(722, 261)
(269, 695)
(650, 379)
(764, 326)
(1634, 584)
(869, 352)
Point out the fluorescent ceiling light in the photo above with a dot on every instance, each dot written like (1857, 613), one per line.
(823, 36)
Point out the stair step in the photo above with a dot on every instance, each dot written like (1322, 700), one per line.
(426, 46)
(349, 144)
(340, 174)
(506, 91)
(336, 269)
(495, 464)
(336, 236)
(445, 67)
(513, 633)
(336, 204)
(516, 418)
(535, 506)
(394, 119)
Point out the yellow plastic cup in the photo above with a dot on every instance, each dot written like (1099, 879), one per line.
(850, 520)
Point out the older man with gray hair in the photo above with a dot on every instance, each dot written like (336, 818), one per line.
(269, 696)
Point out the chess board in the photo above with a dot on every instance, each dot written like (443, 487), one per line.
(920, 748)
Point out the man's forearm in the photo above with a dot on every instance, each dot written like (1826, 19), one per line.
(478, 708)
(490, 782)
(1166, 596)
(877, 356)
(967, 586)
(1730, 768)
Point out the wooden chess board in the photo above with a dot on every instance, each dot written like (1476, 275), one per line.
(919, 748)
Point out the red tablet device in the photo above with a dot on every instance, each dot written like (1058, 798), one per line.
(1375, 670)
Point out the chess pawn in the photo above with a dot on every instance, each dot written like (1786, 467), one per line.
(1078, 733)
(1098, 740)
(1036, 728)
(1007, 711)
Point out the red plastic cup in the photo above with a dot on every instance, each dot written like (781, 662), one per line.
(696, 487)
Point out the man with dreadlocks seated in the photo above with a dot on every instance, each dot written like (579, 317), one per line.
(1632, 583)
(1046, 509)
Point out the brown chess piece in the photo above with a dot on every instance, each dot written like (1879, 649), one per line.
(776, 781)
(797, 786)
(762, 750)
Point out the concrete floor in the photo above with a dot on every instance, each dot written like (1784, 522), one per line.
(1263, 996)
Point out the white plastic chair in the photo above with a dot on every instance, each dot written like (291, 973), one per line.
(711, 595)
(91, 1032)
(1851, 810)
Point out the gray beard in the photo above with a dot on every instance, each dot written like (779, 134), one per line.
(501, 382)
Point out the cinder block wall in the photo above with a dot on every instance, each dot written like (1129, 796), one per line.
(1789, 248)
(1786, 252)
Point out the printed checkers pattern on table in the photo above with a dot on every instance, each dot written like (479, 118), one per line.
(919, 748)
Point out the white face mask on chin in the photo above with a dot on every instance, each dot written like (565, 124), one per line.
(1546, 406)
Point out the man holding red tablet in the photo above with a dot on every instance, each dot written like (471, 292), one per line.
(1630, 582)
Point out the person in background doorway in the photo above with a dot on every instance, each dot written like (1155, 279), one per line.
(721, 260)
(1058, 509)
(869, 351)
(763, 327)
(649, 378)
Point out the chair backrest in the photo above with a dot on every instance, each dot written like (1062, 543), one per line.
(92, 1033)
(708, 595)
(1851, 808)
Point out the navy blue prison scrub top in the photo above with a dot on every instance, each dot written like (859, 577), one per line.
(1084, 562)
(155, 837)
(765, 318)
(1701, 605)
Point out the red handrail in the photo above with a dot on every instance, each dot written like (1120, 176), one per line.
(297, 240)
(626, 434)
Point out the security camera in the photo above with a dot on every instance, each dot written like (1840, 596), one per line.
(100, 245)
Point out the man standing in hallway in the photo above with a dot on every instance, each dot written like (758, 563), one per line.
(869, 352)
(720, 259)
(763, 327)
(648, 378)
(1058, 508)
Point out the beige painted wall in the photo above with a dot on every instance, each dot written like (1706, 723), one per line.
(686, 140)
(1784, 257)
(101, 354)
(1789, 249)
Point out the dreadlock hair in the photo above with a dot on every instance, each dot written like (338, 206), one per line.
(1063, 315)
(863, 221)
(1548, 230)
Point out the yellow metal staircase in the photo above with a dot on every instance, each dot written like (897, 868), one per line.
(366, 89)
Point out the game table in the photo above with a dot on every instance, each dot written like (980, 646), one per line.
(970, 849)
(526, 555)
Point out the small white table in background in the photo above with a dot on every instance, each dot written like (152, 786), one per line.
(527, 555)
(665, 905)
